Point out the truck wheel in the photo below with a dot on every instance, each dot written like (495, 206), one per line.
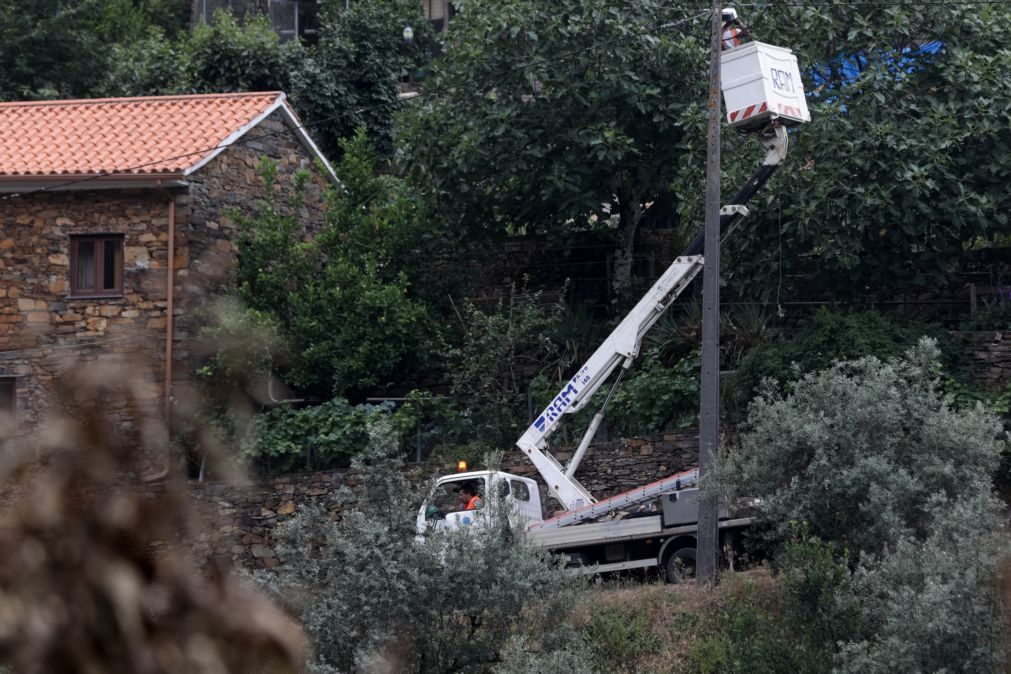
(680, 566)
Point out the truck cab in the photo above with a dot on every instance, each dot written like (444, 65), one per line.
(445, 509)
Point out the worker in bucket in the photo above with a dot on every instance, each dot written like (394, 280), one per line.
(733, 30)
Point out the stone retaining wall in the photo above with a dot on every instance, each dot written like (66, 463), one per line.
(242, 519)
(990, 354)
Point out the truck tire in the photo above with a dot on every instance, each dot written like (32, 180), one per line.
(680, 566)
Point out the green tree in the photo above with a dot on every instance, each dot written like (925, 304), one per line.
(226, 55)
(350, 77)
(62, 48)
(898, 172)
(498, 353)
(349, 314)
(586, 136)
(825, 337)
(891, 488)
(859, 450)
(931, 604)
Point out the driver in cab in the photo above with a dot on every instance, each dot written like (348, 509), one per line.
(468, 497)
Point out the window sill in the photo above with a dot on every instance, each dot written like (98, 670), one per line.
(107, 296)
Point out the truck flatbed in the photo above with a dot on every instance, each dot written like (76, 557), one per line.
(616, 531)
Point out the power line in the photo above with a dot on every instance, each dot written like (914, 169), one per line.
(308, 125)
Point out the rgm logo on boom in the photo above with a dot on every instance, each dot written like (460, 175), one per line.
(563, 400)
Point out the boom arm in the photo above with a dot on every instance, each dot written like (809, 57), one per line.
(622, 345)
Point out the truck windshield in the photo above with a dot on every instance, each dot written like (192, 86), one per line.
(459, 495)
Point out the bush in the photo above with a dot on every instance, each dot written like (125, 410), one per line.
(500, 351)
(368, 595)
(314, 438)
(352, 320)
(859, 449)
(993, 317)
(815, 574)
(617, 638)
(826, 337)
(227, 56)
(655, 398)
(879, 463)
(931, 604)
(749, 635)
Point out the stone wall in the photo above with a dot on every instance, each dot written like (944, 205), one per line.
(242, 519)
(990, 355)
(44, 329)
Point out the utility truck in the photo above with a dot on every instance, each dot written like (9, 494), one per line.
(653, 525)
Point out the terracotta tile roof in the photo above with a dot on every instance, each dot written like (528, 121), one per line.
(131, 136)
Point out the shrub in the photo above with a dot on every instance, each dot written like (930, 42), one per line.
(749, 635)
(499, 352)
(352, 321)
(312, 438)
(875, 458)
(815, 574)
(225, 55)
(367, 594)
(992, 317)
(931, 604)
(617, 638)
(656, 398)
(826, 337)
(859, 449)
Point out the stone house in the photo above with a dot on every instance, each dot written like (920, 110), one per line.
(116, 223)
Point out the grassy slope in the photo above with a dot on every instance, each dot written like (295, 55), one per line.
(739, 627)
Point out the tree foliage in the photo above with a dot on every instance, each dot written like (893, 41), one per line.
(859, 450)
(895, 565)
(498, 352)
(931, 604)
(898, 172)
(349, 78)
(556, 115)
(61, 48)
(826, 337)
(349, 316)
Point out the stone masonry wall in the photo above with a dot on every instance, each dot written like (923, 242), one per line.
(206, 243)
(44, 330)
(990, 355)
(242, 520)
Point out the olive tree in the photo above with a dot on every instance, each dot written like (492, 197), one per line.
(859, 449)
(871, 461)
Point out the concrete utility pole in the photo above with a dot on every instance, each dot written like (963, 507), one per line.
(709, 432)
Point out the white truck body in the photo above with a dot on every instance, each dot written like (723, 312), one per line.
(642, 540)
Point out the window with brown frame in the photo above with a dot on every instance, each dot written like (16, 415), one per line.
(8, 396)
(96, 265)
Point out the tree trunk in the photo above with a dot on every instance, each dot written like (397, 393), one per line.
(621, 282)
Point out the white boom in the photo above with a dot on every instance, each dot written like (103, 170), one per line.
(620, 348)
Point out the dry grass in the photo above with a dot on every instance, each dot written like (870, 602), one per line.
(669, 620)
(97, 574)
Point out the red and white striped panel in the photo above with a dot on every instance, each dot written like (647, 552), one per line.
(750, 111)
(789, 110)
